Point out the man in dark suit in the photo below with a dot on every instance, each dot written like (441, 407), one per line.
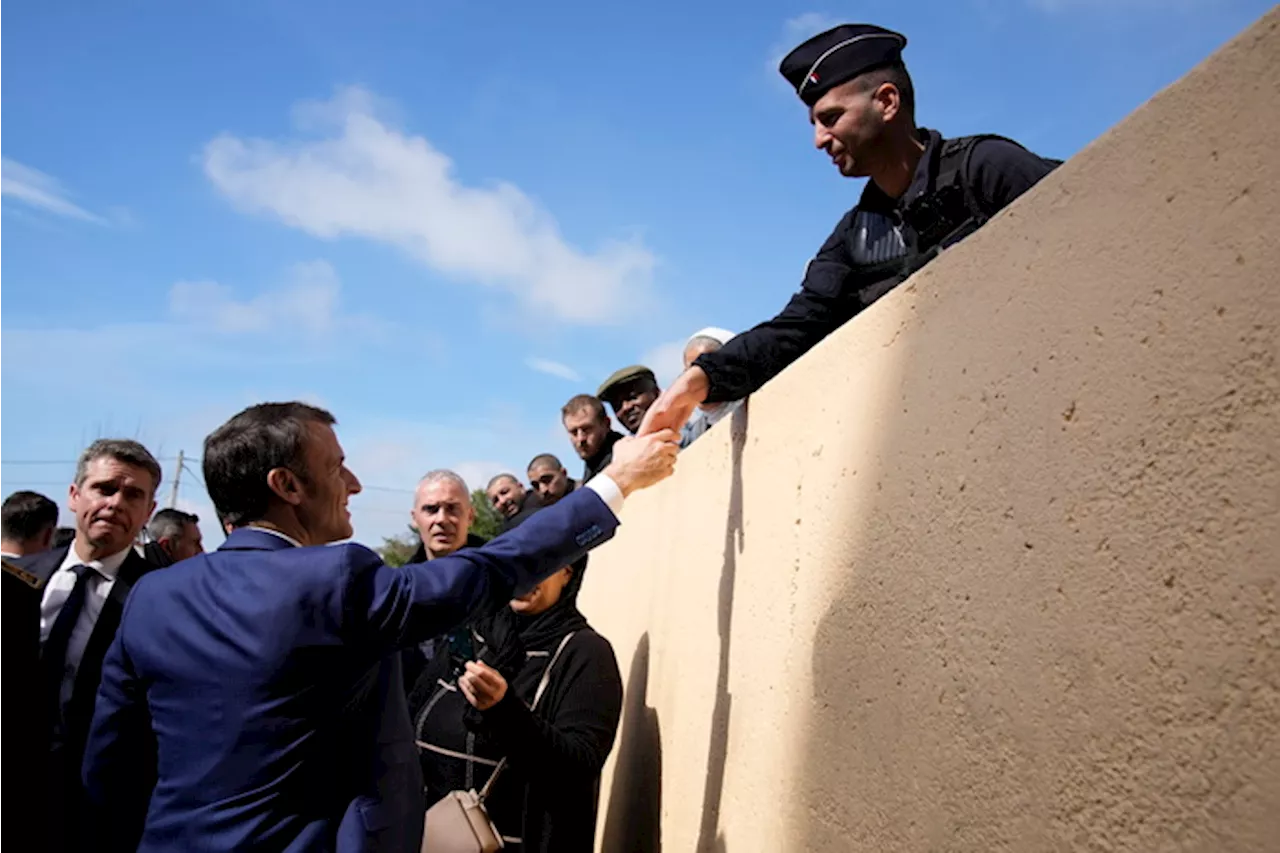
(27, 521)
(83, 588)
(267, 669)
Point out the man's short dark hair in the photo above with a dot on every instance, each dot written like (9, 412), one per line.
(170, 523)
(547, 459)
(584, 401)
(895, 73)
(123, 450)
(239, 454)
(25, 515)
(63, 536)
(499, 478)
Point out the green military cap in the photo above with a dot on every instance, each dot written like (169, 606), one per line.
(626, 374)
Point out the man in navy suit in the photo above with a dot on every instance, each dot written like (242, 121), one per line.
(262, 676)
(79, 591)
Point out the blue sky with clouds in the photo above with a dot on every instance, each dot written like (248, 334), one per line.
(442, 220)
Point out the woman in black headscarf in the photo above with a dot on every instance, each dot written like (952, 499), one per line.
(471, 709)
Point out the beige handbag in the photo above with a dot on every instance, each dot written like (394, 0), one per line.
(459, 823)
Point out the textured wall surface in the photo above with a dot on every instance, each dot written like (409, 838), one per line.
(995, 566)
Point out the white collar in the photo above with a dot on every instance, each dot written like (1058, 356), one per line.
(108, 567)
(286, 537)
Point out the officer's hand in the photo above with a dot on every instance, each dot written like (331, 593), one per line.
(644, 460)
(483, 685)
(673, 408)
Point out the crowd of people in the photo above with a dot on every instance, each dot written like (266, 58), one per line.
(276, 695)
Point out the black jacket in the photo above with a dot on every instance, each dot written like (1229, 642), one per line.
(65, 791)
(601, 460)
(548, 794)
(995, 172)
(26, 719)
(414, 660)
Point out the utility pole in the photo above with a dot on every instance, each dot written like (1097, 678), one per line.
(177, 479)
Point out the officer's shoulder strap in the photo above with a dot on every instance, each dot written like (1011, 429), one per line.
(31, 580)
(953, 166)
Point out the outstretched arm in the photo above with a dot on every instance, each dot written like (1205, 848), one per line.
(392, 608)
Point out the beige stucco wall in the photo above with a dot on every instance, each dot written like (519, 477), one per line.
(995, 566)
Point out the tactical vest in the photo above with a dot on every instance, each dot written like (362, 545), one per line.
(887, 250)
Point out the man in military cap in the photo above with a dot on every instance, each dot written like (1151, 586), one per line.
(630, 392)
(925, 193)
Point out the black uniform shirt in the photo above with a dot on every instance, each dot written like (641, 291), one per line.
(998, 172)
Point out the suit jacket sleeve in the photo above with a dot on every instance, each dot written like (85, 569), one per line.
(823, 304)
(392, 608)
(120, 757)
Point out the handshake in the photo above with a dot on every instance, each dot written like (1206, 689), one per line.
(643, 460)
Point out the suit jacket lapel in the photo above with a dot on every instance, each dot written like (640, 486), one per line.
(89, 673)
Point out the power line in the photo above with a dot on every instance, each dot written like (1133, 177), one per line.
(77, 461)
(195, 477)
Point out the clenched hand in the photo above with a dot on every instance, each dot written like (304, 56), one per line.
(641, 461)
(673, 408)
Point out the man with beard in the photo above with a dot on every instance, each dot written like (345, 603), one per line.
(925, 193)
(630, 391)
(509, 496)
(549, 478)
(587, 423)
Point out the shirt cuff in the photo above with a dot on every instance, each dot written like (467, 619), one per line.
(604, 486)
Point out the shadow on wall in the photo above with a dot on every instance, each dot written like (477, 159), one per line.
(633, 824)
(718, 747)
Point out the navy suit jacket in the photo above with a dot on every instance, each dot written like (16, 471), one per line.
(263, 679)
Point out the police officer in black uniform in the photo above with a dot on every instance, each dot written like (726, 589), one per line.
(925, 193)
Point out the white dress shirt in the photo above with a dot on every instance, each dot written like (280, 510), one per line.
(604, 486)
(286, 537)
(56, 592)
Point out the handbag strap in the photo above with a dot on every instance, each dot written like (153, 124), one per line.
(542, 687)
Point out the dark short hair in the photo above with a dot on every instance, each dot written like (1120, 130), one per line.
(25, 515)
(239, 454)
(895, 73)
(544, 459)
(63, 536)
(584, 401)
(500, 477)
(170, 522)
(123, 450)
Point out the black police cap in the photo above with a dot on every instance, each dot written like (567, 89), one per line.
(837, 56)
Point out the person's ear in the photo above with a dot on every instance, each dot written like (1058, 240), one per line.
(285, 485)
(888, 101)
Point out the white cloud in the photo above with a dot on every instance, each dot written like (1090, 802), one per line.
(553, 368)
(1108, 5)
(35, 188)
(309, 301)
(666, 361)
(369, 180)
(794, 31)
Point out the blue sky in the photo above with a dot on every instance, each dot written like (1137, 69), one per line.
(442, 220)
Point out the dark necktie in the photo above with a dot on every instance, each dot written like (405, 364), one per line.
(54, 653)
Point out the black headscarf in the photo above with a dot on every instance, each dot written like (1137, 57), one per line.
(508, 635)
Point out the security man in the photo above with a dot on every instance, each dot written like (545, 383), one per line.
(925, 193)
